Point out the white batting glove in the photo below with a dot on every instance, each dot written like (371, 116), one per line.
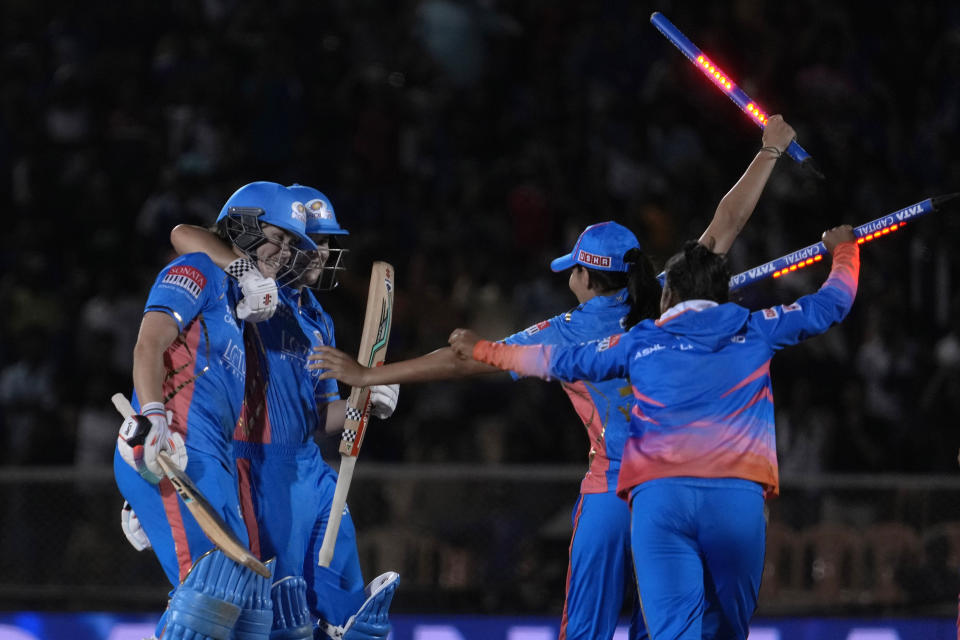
(260, 297)
(132, 529)
(144, 436)
(383, 400)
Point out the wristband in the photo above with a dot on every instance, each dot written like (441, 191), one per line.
(776, 152)
(240, 267)
(153, 408)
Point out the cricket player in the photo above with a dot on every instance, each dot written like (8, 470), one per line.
(188, 374)
(616, 287)
(286, 488)
(701, 453)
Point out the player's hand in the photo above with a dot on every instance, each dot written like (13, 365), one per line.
(132, 529)
(777, 133)
(338, 365)
(833, 237)
(260, 297)
(462, 342)
(383, 400)
(142, 437)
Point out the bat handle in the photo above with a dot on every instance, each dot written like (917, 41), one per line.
(122, 405)
(344, 478)
(800, 154)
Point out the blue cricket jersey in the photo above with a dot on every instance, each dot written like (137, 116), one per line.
(603, 407)
(701, 380)
(205, 364)
(280, 407)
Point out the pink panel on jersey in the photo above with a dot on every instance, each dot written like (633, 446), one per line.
(596, 479)
(762, 371)
(254, 422)
(246, 505)
(180, 360)
(723, 451)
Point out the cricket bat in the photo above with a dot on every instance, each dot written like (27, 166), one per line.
(373, 350)
(206, 516)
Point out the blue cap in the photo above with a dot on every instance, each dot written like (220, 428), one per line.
(601, 246)
(277, 206)
(320, 216)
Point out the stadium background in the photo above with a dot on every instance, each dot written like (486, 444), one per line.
(468, 143)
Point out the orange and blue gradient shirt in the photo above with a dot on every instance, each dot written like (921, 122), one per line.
(283, 398)
(205, 364)
(603, 407)
(703, 401)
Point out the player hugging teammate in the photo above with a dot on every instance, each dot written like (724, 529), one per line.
(225, 387)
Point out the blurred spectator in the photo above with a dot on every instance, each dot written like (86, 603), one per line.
(464, 140)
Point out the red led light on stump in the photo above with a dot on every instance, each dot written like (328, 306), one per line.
(881, 232)
(799, 265)
(719, 76)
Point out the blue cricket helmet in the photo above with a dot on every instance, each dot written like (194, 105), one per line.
(320, 216)
(263, 202)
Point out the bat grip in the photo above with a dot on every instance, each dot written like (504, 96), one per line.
(800, 154)
(797, 152)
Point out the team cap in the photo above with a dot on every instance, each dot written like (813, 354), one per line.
(601, 246)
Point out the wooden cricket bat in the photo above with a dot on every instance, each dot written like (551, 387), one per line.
(373, 350)
(206, 516)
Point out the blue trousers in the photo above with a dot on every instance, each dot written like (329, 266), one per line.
(176, 538)
(290, 490)
(600, 571)
(698, 547)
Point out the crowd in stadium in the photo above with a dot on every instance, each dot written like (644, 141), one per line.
(468, 143)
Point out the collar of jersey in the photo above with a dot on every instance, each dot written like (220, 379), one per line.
(611, 300)
(683, 307)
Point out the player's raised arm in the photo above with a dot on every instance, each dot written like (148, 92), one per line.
(442, 364)
(815, 313)
(738, 204)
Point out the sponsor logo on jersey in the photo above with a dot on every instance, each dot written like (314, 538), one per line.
(298, 212)
(537, 328)
(646, 351)
(233, 359)
(593, 259)
(770, 314)
(294, 347)
(190, 279)
(787, 308)
(608, 342)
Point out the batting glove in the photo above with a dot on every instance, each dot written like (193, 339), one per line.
(260, 297)
(132, 529)
(371, 621)
(144, 436)
(383, 400)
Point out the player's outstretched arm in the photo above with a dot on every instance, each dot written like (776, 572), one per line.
(188, 238)
(737, 206)
(442, 364)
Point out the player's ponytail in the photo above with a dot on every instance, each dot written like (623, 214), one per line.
(643, 288)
